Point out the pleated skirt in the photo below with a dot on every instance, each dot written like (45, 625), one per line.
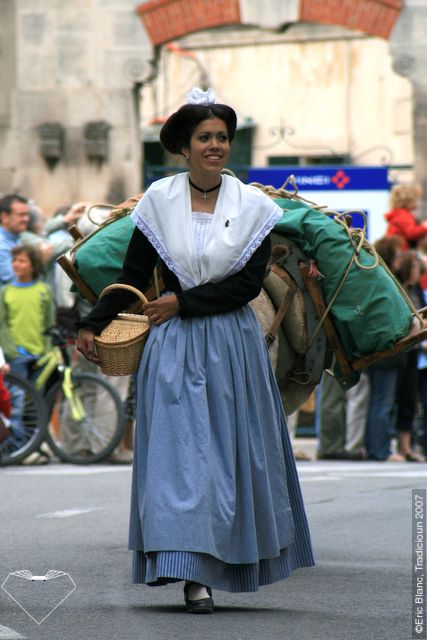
(215, 493)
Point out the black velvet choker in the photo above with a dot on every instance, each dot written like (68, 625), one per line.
(204, 191)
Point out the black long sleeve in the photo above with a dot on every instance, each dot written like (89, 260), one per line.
(205, 299)
(138, 267)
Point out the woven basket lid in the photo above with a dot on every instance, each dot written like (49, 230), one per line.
(123, 329)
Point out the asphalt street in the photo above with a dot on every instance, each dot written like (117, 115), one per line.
(72, 522)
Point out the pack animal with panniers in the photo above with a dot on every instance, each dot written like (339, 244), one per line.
(328, 300)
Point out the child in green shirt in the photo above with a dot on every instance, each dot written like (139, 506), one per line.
(26, 310)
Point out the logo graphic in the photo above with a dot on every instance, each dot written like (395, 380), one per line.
(340, 179)
(38, 596)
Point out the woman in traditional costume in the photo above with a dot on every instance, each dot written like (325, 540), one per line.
(215, 497)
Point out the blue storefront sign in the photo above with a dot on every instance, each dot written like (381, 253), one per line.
(339, 188)
(324, 178)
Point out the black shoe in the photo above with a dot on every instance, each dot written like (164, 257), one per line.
(336, 455)
(203, 605)
(356, 454)
(342, 455)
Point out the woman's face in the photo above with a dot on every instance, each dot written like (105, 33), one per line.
(209, 148)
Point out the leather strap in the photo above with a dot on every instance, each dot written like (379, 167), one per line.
(281, 312)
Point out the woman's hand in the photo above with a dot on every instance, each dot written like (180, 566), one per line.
(162, 309)
(86, 345)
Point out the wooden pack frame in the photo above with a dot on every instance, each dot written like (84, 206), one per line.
(68, 266)
(66, 261)
(347, 366)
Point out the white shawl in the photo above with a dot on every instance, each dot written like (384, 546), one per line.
(243, 217)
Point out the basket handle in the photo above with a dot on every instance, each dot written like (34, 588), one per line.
(129, 287)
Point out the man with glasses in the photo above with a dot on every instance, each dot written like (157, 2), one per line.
(14, 218)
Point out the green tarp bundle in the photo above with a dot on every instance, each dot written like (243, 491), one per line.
(99, 259)
(370, 313)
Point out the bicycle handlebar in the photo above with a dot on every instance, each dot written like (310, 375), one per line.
(60, 336)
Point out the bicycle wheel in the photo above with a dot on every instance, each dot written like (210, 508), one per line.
(87, 426)
(28, 421)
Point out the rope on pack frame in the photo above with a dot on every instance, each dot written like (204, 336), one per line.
(357, 239)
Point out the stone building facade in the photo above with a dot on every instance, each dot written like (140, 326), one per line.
(77, 80)
(68, 109)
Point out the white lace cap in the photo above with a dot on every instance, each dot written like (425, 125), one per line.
(198, 96)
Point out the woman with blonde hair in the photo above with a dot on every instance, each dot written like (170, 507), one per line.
(401, 218)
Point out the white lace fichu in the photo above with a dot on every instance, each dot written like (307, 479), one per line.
(243, 217)
(198, 96)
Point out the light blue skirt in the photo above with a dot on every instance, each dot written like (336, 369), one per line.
(215, 493)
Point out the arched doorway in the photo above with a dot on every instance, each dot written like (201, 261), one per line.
(398, 23)
(166, 20)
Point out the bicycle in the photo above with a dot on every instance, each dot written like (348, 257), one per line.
(28, 421)
(84, 416)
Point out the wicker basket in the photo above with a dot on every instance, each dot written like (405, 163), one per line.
(120, 344)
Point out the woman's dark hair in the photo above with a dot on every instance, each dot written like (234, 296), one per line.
(407, 262)
(388, 248)
(178, 128)
(34, 254)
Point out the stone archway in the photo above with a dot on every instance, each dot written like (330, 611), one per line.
(403, 24)
(166, 20)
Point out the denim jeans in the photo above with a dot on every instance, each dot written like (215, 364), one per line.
(21, 367)
(381, 413)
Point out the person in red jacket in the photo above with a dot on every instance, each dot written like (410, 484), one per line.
(401, 218)
(5, 406)
(5, 401)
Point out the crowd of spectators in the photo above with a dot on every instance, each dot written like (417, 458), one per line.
(33, 289)
(384, 417)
